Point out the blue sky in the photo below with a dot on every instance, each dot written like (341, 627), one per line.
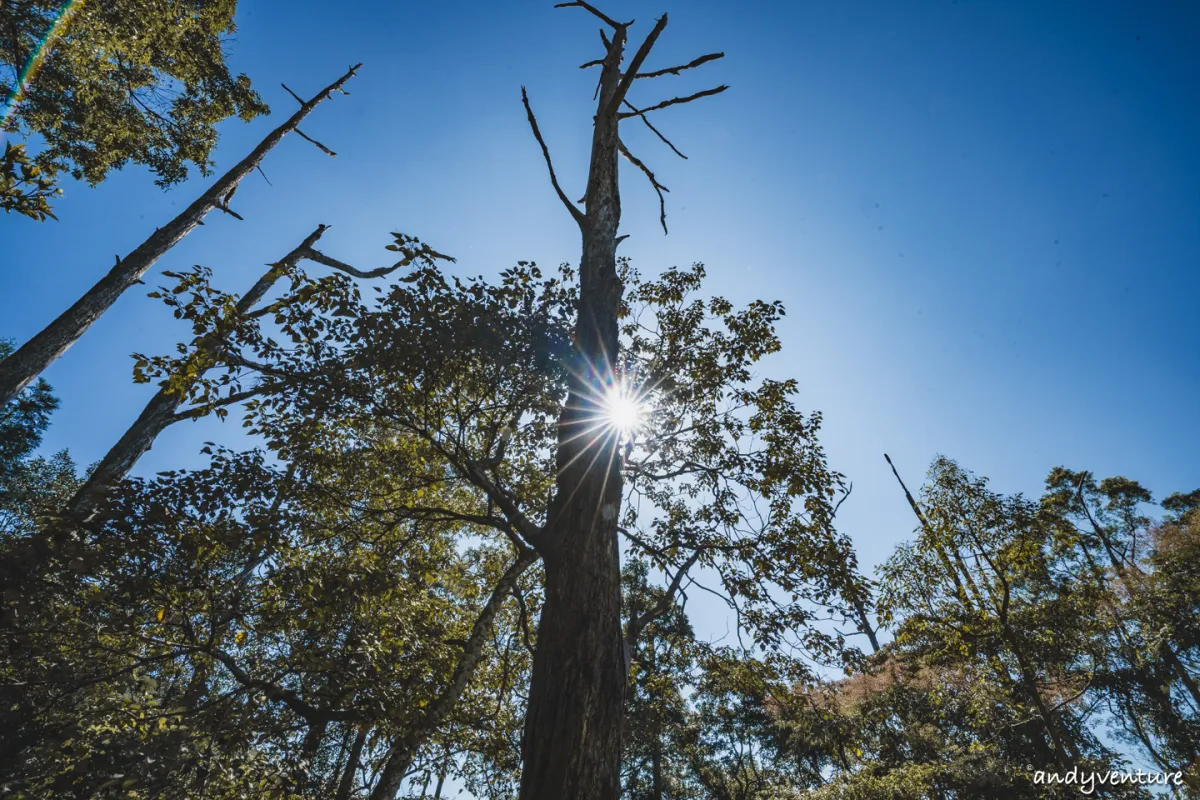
(984, 218)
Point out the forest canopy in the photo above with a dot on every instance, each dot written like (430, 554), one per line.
(460, 542)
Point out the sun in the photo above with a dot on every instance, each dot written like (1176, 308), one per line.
(624, 411)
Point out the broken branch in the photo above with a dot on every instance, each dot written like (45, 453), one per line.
(674, 101)
(293, 94)
(576, 214)
(656, 131)
(676, 70)
(596, 12)
(658, 187)
(322, 147)
(320, 258)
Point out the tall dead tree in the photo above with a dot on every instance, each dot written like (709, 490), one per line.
(31, 359)
(572, 738)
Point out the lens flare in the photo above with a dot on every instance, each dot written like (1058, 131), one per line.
(624, 411)
(65, 11)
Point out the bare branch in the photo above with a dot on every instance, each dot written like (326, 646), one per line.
(849, 489)
(676, 70)
(599, 62)
(204, 410)
(674, 101)
(322, 147)
(638, 58)
(278, 693)
(596, 12)
(293, 94)
(638, 623)
(576, 214)
(320, 258)
(230, 211)
(658, 187)
(656, 131)
(24, 365)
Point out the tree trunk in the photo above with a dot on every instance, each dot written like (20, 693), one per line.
(656, 777)
(22, 367)
(864, 624)
(346, 785)
(159, 413)
(1064, 754)
(403, 750)
(571, 746)
(572, 739)
(936, 544)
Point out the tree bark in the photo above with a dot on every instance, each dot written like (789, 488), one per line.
(22, 367)
(571, 747)
(572, 739)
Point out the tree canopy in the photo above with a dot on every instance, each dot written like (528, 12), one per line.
(96, 86)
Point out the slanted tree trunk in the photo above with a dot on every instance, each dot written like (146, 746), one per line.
(571, 746)
(23, 366)
(864, 624)
(163, 408)
(346, 784)
(404, 749)
(160, 411)
(934, 542)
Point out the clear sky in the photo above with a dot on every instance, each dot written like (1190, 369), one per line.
(983, 217)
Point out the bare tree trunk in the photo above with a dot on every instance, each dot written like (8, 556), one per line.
(864, 624)
(934, 542)
(346, 785)
(572, 740)
(23, 366)
(571, 745)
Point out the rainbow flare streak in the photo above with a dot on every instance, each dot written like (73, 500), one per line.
(65, 11)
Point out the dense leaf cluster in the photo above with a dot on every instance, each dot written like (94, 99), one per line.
(134, 81)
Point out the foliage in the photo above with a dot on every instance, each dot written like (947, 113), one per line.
(22, 423)
(24, 187)
(134, 81)
(248, 626)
